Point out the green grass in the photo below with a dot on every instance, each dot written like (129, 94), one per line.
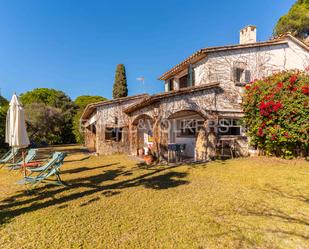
(114, 202)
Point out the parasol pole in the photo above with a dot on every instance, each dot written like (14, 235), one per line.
(24, 162)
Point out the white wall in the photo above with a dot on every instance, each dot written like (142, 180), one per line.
(261, 61)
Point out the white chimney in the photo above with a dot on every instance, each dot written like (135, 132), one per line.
(247, 35)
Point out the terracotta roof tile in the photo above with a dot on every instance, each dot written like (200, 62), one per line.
(157, 97)
(91, 107)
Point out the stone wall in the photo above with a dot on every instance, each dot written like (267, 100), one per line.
(112, 147)
(90, 139)
(205, 102)
(261, 61)
(111, 115)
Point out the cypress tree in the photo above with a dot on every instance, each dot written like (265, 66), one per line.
(120, 84)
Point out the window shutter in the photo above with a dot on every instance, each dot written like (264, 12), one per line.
(247, 76)
(190, 75)
(234, 74)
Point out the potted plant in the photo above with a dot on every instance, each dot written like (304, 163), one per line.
(149, 158)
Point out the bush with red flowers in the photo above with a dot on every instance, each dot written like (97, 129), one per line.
(277, 113)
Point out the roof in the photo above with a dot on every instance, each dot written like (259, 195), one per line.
(157, 97)
(202, 53)
(91, 107)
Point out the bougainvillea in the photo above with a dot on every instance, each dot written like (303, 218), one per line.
(277, 113)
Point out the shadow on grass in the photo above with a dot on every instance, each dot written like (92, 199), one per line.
(78, 160)
(46, 196)
(82, 169)
(241, 222)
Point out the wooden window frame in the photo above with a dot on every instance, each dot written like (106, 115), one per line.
(234, 124)
(183, 82)
(114, 134)
(170, 85)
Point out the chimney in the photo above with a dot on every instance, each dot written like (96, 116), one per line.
(247, 35)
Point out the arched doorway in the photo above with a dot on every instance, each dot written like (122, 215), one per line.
(184, 127)
(142, 137)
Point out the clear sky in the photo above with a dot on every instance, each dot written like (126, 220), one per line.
(75, 45)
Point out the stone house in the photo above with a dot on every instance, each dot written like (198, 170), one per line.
(201, 105)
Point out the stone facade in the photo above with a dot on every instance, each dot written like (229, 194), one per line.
(204, 103)
(108, 117)
(215, 98)
(260, 61)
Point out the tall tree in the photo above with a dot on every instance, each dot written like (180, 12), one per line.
(295, 21)
(120, 84)
(81, 102)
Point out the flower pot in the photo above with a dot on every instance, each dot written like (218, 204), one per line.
(148, 159)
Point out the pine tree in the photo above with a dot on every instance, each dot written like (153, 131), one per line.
(120, 85)
(295, 21)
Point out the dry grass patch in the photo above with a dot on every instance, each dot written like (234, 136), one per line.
(114, 202)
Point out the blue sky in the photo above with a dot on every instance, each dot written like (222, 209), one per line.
(75, 45)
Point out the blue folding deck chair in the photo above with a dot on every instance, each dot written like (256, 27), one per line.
(51, 168)
(32, 153)
(9, 156)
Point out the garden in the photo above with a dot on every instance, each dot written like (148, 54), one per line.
(118, 202)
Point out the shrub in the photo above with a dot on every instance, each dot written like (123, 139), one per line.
(277, 111)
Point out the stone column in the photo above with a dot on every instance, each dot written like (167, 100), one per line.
(156, 136)
(133, 139)
(211, 141)
(201, 145)
(100, 137)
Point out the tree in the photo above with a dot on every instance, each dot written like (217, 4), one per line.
(120, 84)
(4, 105)
(295, 21)
(3, 101)
(49, 97)
(81, 102)
(45, 123)
(276, 113)
(52, 105)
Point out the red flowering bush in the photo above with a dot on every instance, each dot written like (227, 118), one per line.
(277, 113)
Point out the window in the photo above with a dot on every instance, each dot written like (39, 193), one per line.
(183, 82)
(228, 127)
(239, 74)
(113, 134)
(190, 127)
(170, 84)
(187, 127)
(247, 76)
(242, 76)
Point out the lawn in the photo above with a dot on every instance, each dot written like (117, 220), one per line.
(116, 202)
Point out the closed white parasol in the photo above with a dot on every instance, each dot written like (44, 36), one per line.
(16, 132)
